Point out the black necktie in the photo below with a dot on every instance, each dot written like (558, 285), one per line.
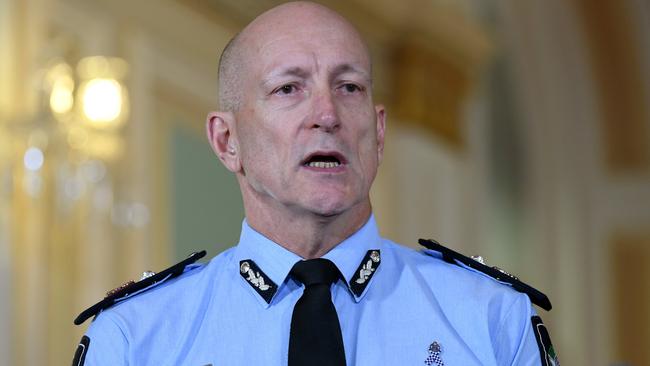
(315, 330)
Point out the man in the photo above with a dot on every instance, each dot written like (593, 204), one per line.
(299, 129)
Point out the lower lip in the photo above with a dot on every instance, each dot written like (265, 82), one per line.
(338, 169)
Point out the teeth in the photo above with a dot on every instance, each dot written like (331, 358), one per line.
(323, 164)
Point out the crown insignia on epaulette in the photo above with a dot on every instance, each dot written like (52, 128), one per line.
(145, 275)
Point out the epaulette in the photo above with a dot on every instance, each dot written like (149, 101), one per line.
(450, 256)
(131, 288)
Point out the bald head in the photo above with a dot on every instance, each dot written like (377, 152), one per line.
(284, 19)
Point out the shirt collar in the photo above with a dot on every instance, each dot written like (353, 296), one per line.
(349, 254)
(275, 262)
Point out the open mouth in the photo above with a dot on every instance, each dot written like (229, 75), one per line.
(324, 160)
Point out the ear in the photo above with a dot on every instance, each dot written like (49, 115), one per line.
(220, 129)
(380, 113)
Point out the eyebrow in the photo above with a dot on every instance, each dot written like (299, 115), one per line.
(289, 71)
(302, 73)
(349, 68)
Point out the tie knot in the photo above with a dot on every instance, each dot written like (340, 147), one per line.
(315, 271)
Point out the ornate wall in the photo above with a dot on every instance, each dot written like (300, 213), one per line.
(517, 130)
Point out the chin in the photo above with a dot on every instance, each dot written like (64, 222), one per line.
(326, 205)
(327, 210)
(332, 206)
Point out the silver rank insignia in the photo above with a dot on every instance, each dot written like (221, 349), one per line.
(366, 270)
(434, 358)
(481, 260)
(257, 279)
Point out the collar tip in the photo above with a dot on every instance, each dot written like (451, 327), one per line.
(356, 295)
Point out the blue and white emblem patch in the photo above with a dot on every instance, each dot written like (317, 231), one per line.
(434, 358)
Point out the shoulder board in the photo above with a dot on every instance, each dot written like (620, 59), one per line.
(133, 288)
(450, 256)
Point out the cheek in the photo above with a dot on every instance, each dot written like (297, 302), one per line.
(365, 133)
(367, 146)
(262, 152)
(259, 152)
(253, 134)
(369, 162)
(358, 111)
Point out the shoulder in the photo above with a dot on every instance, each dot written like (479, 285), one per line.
(150, 312)
(450, 271)
(489, 309)
(158, 290)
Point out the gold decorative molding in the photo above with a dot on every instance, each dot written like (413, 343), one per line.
(429, 90)
(630, 254)
(621, 93)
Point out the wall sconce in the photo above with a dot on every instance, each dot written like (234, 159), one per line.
(60, 79)
(104, 99)
(92, 104)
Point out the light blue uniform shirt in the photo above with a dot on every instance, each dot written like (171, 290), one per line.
(211, 314)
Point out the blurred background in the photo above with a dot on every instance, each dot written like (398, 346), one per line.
(518, 130)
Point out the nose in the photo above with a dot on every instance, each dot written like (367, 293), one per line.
(325, 115)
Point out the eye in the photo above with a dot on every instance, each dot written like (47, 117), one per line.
(351, 88)
(286, 89)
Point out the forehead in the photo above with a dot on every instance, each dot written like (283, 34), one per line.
(320, 42)
(324, 51)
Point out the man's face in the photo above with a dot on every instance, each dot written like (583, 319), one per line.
(309, 136)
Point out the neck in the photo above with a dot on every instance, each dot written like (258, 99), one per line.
(307, 234)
